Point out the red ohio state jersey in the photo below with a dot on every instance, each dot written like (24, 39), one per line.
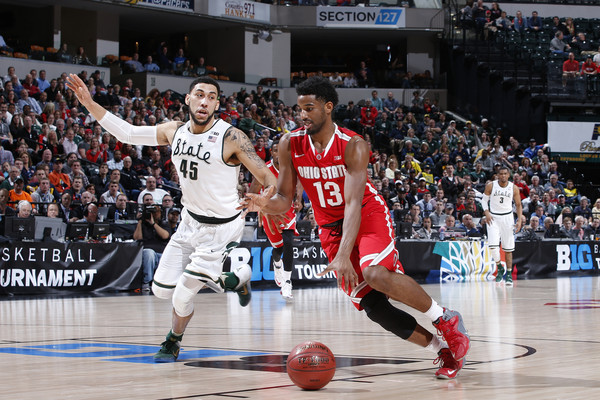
(323, 175)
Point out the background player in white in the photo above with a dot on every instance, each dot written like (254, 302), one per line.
(497, 203)
(280, 233)
(207, 152)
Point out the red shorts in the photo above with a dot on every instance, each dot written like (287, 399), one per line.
(275, 236)
(375, 245)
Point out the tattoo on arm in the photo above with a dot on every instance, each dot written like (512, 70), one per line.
(243, 143)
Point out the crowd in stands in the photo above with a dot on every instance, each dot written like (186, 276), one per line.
(424, 165)
(365, 77)
(572, 41)
(165, 63)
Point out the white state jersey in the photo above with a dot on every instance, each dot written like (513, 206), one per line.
(208, 184)
(501, 199)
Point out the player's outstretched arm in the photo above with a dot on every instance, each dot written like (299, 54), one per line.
(274, 221)
(284, 185)
(122, 130)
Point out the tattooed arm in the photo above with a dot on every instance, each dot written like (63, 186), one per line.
(239, 149)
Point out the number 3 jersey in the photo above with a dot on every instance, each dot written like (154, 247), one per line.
(323, 175)
(208, 184)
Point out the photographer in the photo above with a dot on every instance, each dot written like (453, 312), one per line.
(154, 234)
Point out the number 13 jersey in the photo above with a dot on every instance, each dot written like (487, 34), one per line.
(323, 174)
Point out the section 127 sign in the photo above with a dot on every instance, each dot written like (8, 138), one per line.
(361, 17)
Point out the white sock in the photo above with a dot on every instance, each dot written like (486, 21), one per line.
(434, 311)
(436, 345)
(287, 275)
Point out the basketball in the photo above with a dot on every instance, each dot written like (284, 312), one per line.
(311, 365)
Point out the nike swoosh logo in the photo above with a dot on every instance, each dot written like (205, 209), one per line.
(244, 291)
(298, 155)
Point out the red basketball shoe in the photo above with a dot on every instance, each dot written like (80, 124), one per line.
(450, 326)
(449, 367)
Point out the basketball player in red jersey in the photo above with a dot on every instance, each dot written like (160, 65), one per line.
(283, 253)
(331, 164)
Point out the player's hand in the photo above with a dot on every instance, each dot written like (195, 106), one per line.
(79, 88)
(255, 201)
(275, 221)
(518, 225)
(488, 217)
(347, 277)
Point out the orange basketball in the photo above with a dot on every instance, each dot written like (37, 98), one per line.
(311, 365)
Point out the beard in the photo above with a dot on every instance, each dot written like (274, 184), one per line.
(314, 128)
(198, 122)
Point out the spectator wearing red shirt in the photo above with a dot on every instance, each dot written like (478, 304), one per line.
(522, 186)
(570, 69)
(368, 116)
(261, 150)
(32, 89)
(167, 99)
(589, 67)
(95, 154)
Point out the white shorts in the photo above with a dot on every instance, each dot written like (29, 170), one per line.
(502, 230)
(198, 250)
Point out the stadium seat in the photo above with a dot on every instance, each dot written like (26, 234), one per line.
(37, 52)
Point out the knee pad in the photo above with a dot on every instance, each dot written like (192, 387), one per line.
(183, 296)
(162, 292)
(277, 252)
(379, 309)
(183, 300)
(495, 254)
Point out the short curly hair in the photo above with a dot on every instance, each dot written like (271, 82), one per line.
(320, 87)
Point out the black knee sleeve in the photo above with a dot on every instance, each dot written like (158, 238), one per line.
(277, 253)
(288, 252)
(379, 310)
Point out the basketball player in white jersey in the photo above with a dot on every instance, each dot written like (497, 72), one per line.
(497, 203)
(207, 152)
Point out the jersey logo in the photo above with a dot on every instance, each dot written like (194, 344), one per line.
(298, 155)
(181, 147)
(337, 158)
(212, 139)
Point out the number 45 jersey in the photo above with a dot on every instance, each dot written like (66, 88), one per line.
(208, 184)
(323, 174)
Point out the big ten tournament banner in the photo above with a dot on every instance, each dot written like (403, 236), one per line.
(238, 9)
(309, 260)
(52, 268)
(174, 5)
(471, 260)
(575, 141)
(361, 17)
(465, 260)
(448, 261)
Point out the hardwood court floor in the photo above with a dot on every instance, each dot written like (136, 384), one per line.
(537, 340)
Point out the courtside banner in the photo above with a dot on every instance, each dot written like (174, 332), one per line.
(241, 10)
(174, 5)
(575, 141)
(361, 17)
(47, 268)
(309, 260)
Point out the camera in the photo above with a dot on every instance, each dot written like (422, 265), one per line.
(147, 211)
